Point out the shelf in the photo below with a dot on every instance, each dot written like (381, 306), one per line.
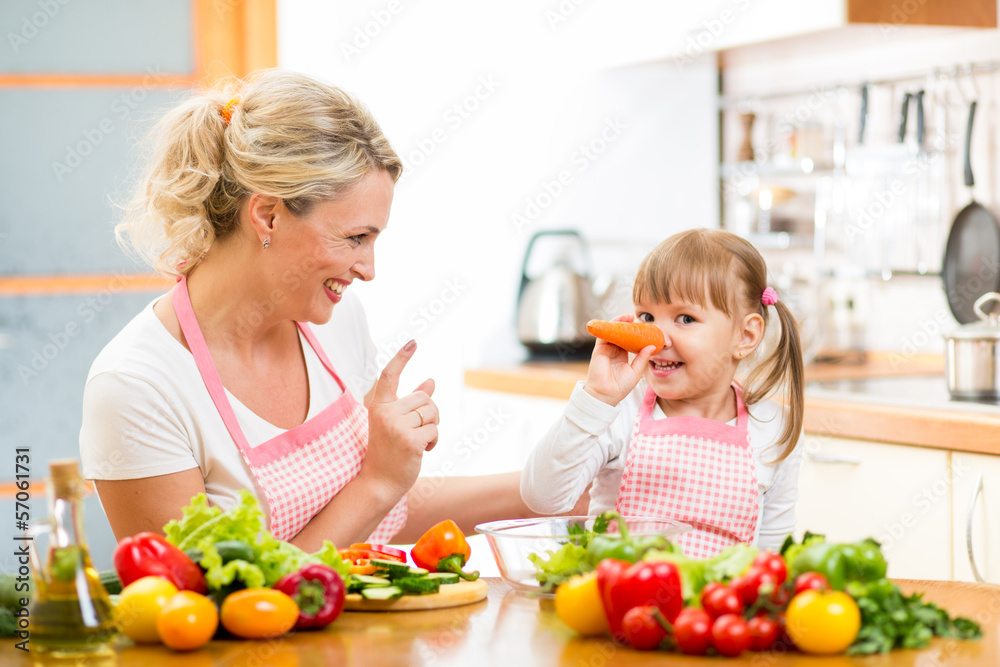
(803, 167)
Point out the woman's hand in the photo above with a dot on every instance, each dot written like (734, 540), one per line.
(610, 376)
(400, 429)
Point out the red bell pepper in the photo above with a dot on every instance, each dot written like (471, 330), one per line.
(383, 551)
(443, 549)
(318, 590)
(149, 554)
(624, 586)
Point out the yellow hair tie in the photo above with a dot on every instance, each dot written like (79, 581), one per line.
(227, 110)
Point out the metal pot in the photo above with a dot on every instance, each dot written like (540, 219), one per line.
(972, 360)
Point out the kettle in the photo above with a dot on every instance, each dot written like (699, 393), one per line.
(553, 308)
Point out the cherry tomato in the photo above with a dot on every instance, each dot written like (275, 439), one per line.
(823, 623)
(810, 581)
(730, 635)
(188, 621)
(386, 552)
(721, 601)
(709, 587)
(773, 563)
(748, 585)
(642, 629)
(693, 631)
(764, 632)
(259, 613)
(781, 595)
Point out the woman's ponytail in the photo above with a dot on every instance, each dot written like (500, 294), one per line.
(277, 133)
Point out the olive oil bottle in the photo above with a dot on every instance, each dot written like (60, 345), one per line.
(70, 613)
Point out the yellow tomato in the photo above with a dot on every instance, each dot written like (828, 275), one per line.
(259, 613)
(822, 622)
(188, 621)
(578, 605)
(139, 606)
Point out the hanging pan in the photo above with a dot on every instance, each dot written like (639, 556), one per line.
(971, 265)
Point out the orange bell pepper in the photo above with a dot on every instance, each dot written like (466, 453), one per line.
(443, 549)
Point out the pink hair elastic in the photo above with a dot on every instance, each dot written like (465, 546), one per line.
(769, 297)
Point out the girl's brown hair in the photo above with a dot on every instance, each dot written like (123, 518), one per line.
(727, 270)
(287, 135)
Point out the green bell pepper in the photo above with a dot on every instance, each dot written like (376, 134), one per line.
(842, 563)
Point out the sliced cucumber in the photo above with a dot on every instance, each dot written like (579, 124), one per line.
(368, 580)
(444, 577)
(391, 567)
(382, 593)
(418, 572)
(418, 585)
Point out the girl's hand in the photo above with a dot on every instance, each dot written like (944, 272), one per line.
(400, 429)
(610, 376)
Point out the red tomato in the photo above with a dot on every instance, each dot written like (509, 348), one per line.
(386, 552)
(810, 581)
(709, 587)
(693, 631)
(730, 635)
(748, 585)
(642, 629)
(764, 632)
(773, 563)
(781, 595)
(721, 601)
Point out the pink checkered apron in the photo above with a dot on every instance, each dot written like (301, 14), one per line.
(695, 470)
(302, 469)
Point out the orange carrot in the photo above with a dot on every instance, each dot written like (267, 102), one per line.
(630, 336)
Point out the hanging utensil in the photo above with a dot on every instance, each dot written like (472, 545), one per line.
(971, 265)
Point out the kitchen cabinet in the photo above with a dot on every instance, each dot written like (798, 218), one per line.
(739, 23)
(900, 495)
(976, 513)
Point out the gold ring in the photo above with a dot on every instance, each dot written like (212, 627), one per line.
(421, 415)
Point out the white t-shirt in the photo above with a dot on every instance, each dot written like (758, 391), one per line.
(147, 412)
(590, 443)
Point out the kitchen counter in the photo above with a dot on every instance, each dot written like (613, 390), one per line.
(885, 398)
(511, 629)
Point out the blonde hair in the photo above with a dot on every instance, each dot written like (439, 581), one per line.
(287, 136)
(728, 271)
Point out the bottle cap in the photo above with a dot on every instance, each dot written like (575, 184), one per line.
(66, 480)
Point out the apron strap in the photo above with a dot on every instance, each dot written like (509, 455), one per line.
(318, 349)
(203, 358)
(742, 416)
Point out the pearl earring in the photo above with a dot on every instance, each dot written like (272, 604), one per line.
(267, 242)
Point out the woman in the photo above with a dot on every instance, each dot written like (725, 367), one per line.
(265, 202)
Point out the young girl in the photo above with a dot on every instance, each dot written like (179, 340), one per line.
(688, 443)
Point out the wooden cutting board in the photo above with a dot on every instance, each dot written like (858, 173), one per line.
(450, 595)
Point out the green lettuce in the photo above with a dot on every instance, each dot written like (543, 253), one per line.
(696, 572)
(562, 564)
(201, 526)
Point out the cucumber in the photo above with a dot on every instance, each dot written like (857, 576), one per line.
(418, 585)
(359, 581)
(382, 593)
(234, 550)
(445, 577)
(418, 572)
(392, 567)
(109, 579)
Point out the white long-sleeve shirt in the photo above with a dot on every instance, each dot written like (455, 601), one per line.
(590, 443)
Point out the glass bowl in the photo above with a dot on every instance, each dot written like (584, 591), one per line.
(513, 540)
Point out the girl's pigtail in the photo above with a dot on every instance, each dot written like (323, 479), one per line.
(783, 367)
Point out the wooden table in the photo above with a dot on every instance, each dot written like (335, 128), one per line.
(512, 630)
